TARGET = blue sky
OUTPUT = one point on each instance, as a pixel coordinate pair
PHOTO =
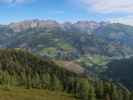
(67, 10)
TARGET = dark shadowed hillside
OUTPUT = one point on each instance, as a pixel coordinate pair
(121, 71)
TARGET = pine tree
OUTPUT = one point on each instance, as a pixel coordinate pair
(131, 96)
(92, 94)
(126, 95)
(28, 81)
(107, 90)
(46, 80)
(55, 83)
(36, 81)
(99, 89)
(84, 89)
(115, 93)
(23, 79)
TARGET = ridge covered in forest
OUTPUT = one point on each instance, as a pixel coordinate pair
(19, 68)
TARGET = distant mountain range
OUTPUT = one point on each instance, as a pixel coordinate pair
(69, 40)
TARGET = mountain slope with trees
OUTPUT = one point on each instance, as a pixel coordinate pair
(19, 68)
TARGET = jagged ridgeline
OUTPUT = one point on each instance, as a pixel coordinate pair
(19, 68)
(69, 40)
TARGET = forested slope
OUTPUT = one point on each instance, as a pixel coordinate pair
(19, 68)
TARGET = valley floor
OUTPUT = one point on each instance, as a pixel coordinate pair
(32, 94)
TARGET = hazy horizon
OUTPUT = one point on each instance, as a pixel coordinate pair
(66, 10)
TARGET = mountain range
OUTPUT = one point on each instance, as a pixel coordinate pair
(72, 40)
(88, 59)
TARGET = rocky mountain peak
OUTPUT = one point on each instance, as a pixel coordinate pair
(29, 24)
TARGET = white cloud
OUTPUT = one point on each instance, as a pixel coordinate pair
(111, 8)
(128, 20)
(108, 6)
(14, 1)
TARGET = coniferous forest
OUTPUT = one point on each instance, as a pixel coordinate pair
(19, 68)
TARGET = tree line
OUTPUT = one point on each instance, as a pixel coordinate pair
(19, 68)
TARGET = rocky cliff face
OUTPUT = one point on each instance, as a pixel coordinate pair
(29, 24)
(80, 25)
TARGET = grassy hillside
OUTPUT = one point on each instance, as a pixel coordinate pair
(33, 94)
